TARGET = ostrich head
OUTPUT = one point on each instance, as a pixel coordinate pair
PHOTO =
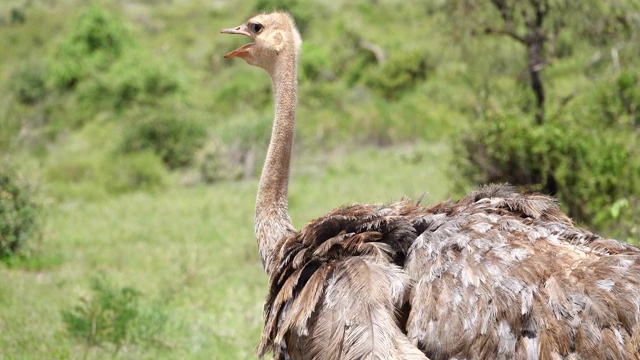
(274, 37)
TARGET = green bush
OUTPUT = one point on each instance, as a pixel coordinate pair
(96, 175)
(140, 171)
(97, 70)
(619, 102)
(589, 169)
(96, 39)
(401, 72)
(134, 79)
(357, 65)
(19, 213)
(147, 81)
(506, 149)
(173, 138)
(316, 62)
(115, 317)
(28, 83)
(18, 16)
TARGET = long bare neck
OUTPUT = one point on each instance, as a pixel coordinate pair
(272, 221)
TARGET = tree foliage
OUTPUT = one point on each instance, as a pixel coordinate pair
(619, 103)
(588, 159)
(589, 162)
(539, 24)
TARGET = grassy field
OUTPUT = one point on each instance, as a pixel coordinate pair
(190, 252)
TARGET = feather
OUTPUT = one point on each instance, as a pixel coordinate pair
(497, 274)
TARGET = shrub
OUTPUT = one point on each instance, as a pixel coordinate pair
(19, 213)
(112, 316)
(619, 102)
(356, 65)
(173, 138)
(589, 169)
(135, 78)
(93, 175)
(95, 41)
(146, 81)
(18, 16)
(28, 83)
(505, 149)
(133, 172)
(315, 63)
(401, 72)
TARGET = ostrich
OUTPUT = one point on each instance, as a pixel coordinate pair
(497, 275)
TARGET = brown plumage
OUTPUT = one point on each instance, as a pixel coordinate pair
(496, 275)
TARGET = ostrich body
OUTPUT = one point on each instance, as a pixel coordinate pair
(496, 275)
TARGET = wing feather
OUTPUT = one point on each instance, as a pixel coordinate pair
(498, 274)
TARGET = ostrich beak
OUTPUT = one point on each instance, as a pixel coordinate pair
(243, 50)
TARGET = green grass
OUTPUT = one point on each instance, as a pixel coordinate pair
(191, 250)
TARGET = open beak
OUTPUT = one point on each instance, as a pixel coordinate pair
(243, 50)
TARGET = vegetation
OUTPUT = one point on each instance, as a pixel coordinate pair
(144, 145)
(581, 157)
(174, 139)
(583, 167)
(19, 213)
(113, 317)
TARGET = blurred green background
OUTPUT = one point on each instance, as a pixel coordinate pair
(130, 148)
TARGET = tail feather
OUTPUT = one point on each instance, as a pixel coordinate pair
(368, 329)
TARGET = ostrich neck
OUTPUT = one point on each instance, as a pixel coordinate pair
(272, 222)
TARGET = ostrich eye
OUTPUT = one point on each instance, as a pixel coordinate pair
(255, 27)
